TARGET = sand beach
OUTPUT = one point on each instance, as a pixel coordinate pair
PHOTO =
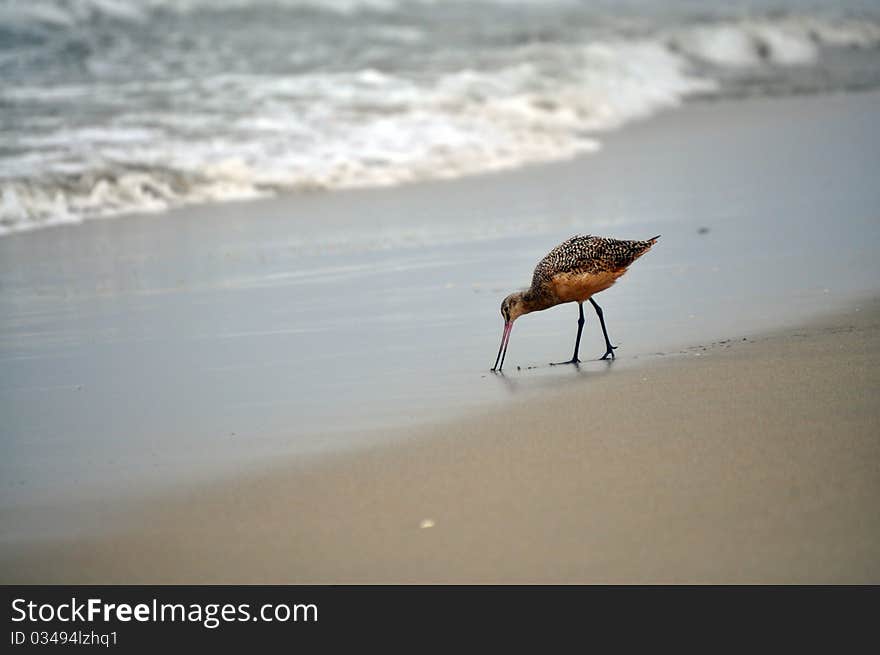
(199, 397)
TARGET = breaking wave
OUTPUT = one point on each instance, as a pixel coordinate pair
(112, 107)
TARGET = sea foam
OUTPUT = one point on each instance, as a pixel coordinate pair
(114, 107)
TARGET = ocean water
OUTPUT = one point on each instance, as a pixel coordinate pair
(109, 107)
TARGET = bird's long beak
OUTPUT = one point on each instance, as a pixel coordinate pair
(502, 349)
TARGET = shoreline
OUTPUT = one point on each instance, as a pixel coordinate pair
(302, 326)
(745, 461)
(666, 118)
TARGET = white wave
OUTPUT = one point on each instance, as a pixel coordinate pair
(786, 42)
(358, 129)
(234, 135)
(28, 205)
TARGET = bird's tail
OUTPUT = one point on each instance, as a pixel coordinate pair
(639, 248)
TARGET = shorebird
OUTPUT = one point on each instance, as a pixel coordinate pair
(574, 271)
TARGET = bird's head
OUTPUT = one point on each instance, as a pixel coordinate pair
(513, 307)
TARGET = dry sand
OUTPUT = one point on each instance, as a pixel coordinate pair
(745, 461)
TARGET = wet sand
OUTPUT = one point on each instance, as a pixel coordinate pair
(753, 460)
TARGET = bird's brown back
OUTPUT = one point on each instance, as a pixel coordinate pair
(585, 254)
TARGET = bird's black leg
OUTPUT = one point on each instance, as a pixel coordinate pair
(609, 349)
(577, 341)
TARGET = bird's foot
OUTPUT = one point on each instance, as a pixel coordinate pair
(570, 361)
(608, 352)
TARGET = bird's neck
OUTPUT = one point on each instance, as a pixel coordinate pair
(535, 300)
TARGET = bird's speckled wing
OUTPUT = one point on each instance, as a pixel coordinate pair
(588, 254)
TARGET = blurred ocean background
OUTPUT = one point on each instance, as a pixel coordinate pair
(110, 107)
